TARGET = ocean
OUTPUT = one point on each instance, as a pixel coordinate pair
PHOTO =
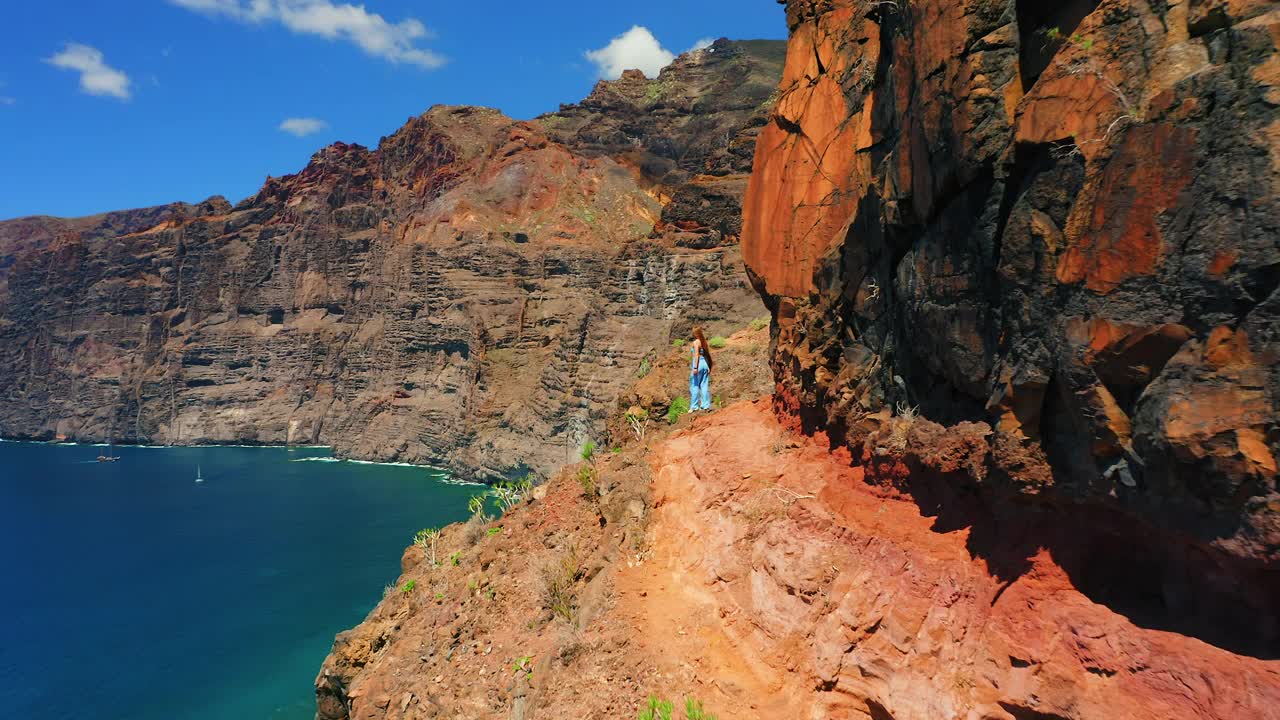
(131, 591)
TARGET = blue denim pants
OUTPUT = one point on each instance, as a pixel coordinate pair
(700, 387)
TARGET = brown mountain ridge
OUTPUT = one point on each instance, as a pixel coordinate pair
(471, 284)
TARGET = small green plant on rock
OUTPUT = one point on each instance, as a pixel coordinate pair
(493, 531)
(718, 342)
(679, 406)
(588, 451)
(523, 664)
(456, 559)
(760, 323)
(693, 710)
(426, 539)
(559, 585)
(656, 708)
(587, 481)
(646, 367)
(638, 418)
(509, 494)
(408, 587)
(476, 506)
(678, 343)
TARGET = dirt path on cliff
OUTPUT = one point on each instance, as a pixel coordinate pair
(757, 570)
(678, 621)
(778, 584)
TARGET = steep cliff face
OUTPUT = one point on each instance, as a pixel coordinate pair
(1022, 264)
(470, 285)
(1054, 230)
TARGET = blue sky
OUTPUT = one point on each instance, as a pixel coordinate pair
(111, 105)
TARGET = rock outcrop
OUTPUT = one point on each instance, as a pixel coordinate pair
(1022, 261)
(1055, 230)
(542, 612)
(474, 292)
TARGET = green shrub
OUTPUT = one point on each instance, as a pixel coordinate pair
(717, 342)
(476, 506)
(679, 406)
(678, 342)
(509, 494)
(587, 480)
(408, 587)
(645, 368)
(523, 665)
(760, 323)
(493, 531)
(588, 450)
(559, 585)
(638, 418)
(693, 710)
(426, 539)
(656, 709)
(456, 558)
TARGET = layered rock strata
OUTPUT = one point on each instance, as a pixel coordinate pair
(474, 292)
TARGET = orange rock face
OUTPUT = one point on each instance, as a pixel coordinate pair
(796, 199)
(800, 591)
(1120, 237)
(1053, 230)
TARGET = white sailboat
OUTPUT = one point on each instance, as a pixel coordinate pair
(111, 455)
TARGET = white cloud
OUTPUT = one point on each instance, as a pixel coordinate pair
(395, 42)
(303, 126)
(636, 48)
(96, 77)
(702, 44)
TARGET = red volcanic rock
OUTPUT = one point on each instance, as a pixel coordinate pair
(1115, 236)
(1051, 230)
(796, 201)
(780, 584)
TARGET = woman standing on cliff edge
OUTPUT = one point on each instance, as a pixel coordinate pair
(700, 365)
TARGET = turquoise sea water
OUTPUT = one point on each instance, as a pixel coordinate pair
(131, 591)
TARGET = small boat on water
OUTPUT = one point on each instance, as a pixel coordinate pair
(110, 456)
(199, 477)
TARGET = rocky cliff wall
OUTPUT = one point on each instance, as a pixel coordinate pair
(1021, 260)
(474, 292)
(1047, 237)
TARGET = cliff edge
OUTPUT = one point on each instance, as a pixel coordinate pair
(1019, 458)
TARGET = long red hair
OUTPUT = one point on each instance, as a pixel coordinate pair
(704, 348)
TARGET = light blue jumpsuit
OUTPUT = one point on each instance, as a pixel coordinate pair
(699, 381)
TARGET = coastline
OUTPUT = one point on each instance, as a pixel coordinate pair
(449, 475)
